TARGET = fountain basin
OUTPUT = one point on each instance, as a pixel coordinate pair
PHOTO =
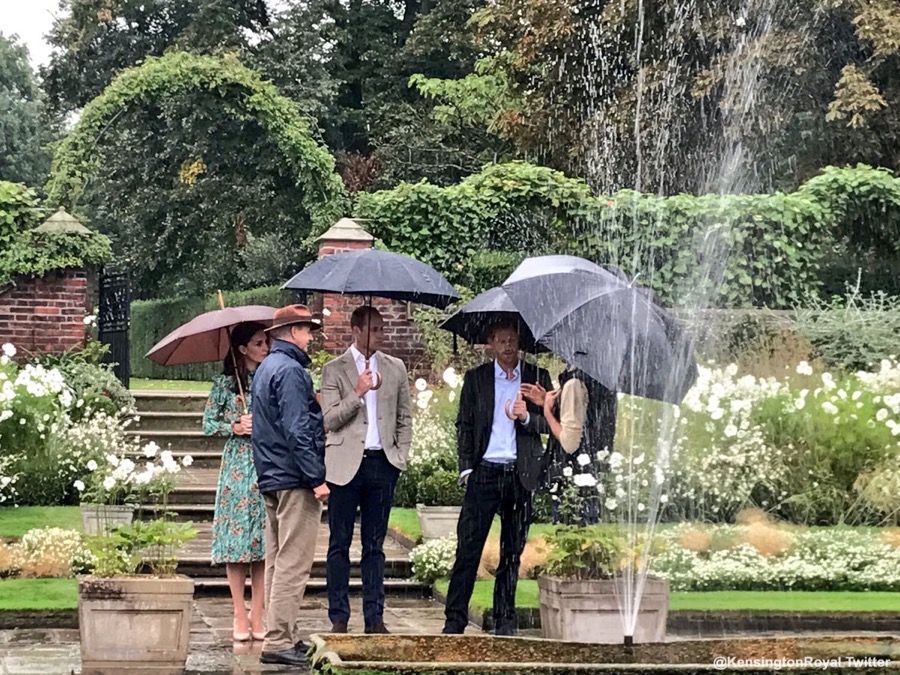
(482, 655)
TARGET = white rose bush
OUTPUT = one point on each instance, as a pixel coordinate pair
(434, 559)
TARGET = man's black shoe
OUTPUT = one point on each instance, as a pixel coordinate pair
(452, 631)
(339, 627)
(377, 629)
(505, 631)
(301, 647)
(287, 657)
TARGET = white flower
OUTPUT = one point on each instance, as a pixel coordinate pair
(79, 485)
(421, 384)
(740, 22)
(664, 499)
(611, 503)
(731, 431)
(640, 508)
(803, 368)
(881, 415)
(112, 459)
(8, 350)
(451, 396)
(422, 403)
(717, 414)
(187, 460)
(109, 483)
(584, 480)
(637, 461)
(583, 459)
(567, 471)
(800, 403)
(91, 465)
(150, 449)
(830, 408)
(451, 378)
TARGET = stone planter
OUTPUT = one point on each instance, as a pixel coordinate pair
(588, 611)
(437, 521)
(134, 623)
(100, 518)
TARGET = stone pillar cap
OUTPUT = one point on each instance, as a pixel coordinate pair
(346, 229)
(62, 221)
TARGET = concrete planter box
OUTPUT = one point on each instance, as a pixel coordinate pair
(588, 611)
(134, 622)
(437, 521)
(100, 518)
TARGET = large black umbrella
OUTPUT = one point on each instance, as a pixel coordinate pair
(611, 329)
(381, 274)
(474, 320)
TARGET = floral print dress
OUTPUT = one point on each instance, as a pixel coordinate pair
(238, 534)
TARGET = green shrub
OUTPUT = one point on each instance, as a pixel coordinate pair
(853, 332)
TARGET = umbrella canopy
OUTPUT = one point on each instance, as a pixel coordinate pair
(206, 337)
(376, 273)
(598, 322)
(473, 321)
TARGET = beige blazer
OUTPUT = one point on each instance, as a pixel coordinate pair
(345, 416)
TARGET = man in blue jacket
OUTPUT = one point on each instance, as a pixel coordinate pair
(289, 454)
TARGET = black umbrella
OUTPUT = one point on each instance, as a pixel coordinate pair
(381, 274)
(611, 329)
(474, 320)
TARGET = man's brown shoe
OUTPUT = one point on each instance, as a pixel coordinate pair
(339, 627)
(377, 629)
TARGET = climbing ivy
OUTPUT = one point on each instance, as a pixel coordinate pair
(717, 250)
(28, 253)
(242, 93)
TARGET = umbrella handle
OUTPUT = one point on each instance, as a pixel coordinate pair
(376, 378)
(241, 400)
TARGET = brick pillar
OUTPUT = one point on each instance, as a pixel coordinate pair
(402, 336)
(45, 314)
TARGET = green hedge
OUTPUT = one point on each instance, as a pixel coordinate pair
(152, 320)
(770, 250)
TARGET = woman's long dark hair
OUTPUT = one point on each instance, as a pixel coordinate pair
(240, 336)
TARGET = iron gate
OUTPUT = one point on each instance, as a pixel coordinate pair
(114, 322)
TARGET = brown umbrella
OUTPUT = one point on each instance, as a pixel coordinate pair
(206, 337)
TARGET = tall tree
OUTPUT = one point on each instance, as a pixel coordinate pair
(26, 128)
(96, 39)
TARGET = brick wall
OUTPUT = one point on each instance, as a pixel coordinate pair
(45, 314)
(402, 337)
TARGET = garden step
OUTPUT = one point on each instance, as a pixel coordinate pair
(406, 588)
(169, 401)
(199, 567)
(182, 441)
(169, 421)
(202, 459)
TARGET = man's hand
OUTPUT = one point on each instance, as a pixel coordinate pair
(365, 383)
(534, 393)
(520, 411)
(322, 492)
(550, 402)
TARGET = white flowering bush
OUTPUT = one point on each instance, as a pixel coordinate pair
(51, 552)
(817, 560)
(56, 414)
(118, 479)
(434, 559)
(432, 474)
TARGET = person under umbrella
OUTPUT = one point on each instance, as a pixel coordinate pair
(365, 397)
(501, 457)
(238, 534)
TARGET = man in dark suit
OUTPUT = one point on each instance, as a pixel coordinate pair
(500, 462)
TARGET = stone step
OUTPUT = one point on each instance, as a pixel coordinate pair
(169, 421)
(183, 512)
(404, 588)
(182, 442)
(199, 567)
(169, 401)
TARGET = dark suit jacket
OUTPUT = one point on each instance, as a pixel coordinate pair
(476, 417)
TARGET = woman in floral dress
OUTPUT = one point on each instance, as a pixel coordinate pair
(238, 537)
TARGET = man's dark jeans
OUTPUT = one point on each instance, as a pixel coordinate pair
(372, 492)
(491, 489)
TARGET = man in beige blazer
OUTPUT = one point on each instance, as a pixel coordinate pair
(368, 423)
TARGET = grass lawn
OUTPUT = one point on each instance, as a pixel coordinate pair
(138, 384)
(14, 522)
(406, 521)
(761, 601)
(30, 594)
